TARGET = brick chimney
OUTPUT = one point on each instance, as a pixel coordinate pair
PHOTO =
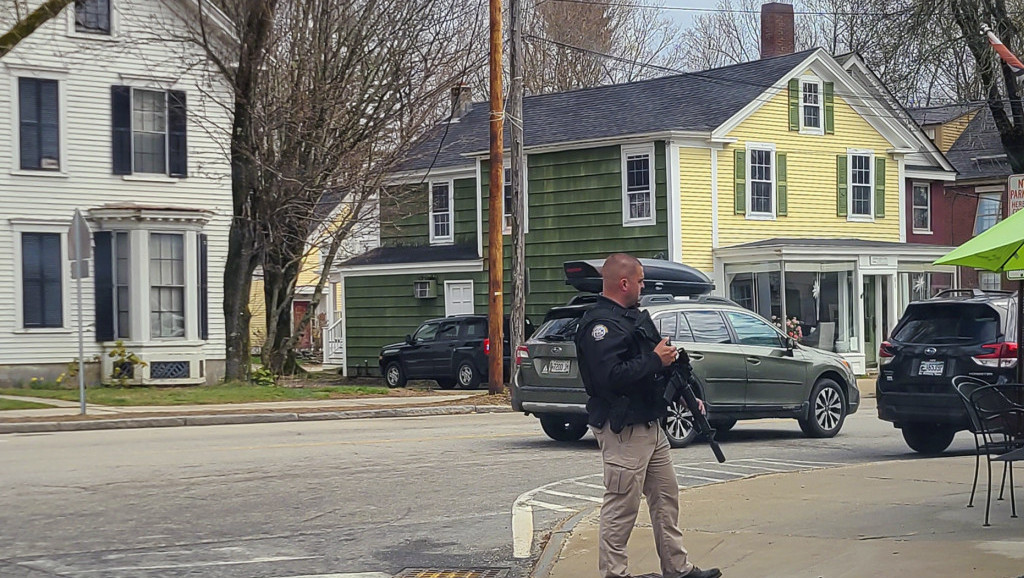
(777, 29)
(462, 101)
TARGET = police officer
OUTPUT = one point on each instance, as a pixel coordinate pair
(620, 372)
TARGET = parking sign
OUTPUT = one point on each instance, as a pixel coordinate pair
(1015, 193)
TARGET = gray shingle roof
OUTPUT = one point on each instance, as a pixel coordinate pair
(940, 114)
(693, 101)
(418, 254)
(978, 153)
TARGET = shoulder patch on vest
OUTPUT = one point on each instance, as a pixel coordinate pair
(598, 332)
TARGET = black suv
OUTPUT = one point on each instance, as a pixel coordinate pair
(450, 350)
(957, 332)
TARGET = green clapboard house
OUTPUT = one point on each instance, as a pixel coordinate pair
(667, 168)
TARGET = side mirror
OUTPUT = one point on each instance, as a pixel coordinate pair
(408, 340)
(790, 345)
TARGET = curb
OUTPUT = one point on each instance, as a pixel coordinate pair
(230, 419)
(549, 554)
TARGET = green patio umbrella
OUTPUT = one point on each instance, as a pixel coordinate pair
(998, 249)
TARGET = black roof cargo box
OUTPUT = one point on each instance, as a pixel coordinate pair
(660, 277)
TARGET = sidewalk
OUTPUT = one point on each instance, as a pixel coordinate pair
(66, 414)
(900, 518)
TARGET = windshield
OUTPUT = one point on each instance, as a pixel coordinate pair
(561, 329)
(938, 323)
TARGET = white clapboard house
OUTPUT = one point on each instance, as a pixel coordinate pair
(109, 109)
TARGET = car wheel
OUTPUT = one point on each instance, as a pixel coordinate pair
(446, 383)
(467, 376)
(722, 425)
(678, 426)
(828, 410)
(928, 438)
(563, 428)
(393, 375)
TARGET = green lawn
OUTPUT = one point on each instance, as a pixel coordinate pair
(18, 404)
(228, 393)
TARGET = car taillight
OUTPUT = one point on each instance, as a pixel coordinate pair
(487, 345)
(885, 353)
(521, 353)
(1002, 355)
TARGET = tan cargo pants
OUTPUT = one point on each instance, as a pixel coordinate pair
(637, 461)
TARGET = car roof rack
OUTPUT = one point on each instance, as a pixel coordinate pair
(972, 292)
(658, 298)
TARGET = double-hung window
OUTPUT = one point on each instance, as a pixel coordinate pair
(149, 132)
(39, 124)
(811, 106)
(861, 185)
(638, 185)
(761, 168)
(506, 201)
(441, 212)
(92, 16)
(122, 278)
(922, 208)
(41, 280)
(167, 285)
(989, 212)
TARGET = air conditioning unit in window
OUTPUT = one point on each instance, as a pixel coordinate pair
(424, 289)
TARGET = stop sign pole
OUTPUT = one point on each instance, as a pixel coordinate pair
(79, 252)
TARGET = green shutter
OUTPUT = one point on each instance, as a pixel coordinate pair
(841, 185)
(794, 104)
(830, 108)
(879, 187)
(782, 208)
(739, 173)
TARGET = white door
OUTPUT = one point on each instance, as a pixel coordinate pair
(458, 297)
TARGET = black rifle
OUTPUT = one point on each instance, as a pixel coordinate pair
(680, 387)
(680, 376)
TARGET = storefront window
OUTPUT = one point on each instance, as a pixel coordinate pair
(759, 292)
(922, 285)
(823, 312)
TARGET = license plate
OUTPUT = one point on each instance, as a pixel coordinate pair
(932, 368)
(558, 366)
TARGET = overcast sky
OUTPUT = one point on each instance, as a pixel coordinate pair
(686, 16)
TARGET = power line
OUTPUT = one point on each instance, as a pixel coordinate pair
(730, 10)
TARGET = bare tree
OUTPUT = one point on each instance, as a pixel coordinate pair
(24, 22)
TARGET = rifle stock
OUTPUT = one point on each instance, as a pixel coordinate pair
(679, 387)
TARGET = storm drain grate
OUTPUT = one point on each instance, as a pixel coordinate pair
(453, 573)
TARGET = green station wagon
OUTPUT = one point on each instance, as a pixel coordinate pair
(747, 368)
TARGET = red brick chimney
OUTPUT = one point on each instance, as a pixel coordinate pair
(776, 29)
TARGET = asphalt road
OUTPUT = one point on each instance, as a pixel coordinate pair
(320, 498)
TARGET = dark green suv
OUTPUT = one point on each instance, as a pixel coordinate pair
(747, 368)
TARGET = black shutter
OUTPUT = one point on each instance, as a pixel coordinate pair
(204, 302)
(104, 286)
(28, 110)
(121, 119)
(177, 145)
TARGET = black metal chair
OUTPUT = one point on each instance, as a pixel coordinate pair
(965, 385)
(1000, 413)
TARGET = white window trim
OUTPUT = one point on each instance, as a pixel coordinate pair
(760, 216)
(447, 305)
(507, 230)
(999, 279)
(624, 152)
(190, 295)
(820, 130)
(17, 229)
(450, 238)
(60, 76)
(850, 216)
(115, 22)
(914, 207)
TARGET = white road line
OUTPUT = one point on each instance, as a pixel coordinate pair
(549, 506)
(593, 486)
(735, 465)
(262, 560)
(800, 463)
(679, 475)
(573, 496)
(711, 471)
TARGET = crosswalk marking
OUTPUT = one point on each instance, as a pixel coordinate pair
(574, 496)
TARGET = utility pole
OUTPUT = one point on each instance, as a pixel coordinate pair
(495, 254)
(515, 104)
